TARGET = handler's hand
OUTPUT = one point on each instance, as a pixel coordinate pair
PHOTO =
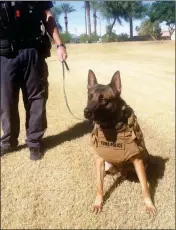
(62, 54)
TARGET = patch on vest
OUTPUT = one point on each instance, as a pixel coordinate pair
(109, 140)
(118, 145)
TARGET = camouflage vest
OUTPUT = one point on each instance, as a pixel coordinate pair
(117, 146)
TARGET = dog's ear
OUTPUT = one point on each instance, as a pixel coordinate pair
(91, 79)
(116, 83)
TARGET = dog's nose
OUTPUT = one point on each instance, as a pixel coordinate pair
(86, 110)
(87, 113)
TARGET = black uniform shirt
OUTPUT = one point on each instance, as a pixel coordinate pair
(16, 19)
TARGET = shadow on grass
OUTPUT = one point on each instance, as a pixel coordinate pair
(74, 132)
(116, 183)
(155, 172)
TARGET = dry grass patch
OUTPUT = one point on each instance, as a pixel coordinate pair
(58, 191)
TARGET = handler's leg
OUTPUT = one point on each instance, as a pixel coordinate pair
(10, 85)
(34, 101)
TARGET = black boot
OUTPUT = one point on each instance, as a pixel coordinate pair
(4, 151)
(35, 154)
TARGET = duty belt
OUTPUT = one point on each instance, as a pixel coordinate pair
(11, 47)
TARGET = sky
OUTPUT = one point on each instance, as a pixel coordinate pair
(76, 21)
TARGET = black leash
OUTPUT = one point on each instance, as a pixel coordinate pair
(64, 63)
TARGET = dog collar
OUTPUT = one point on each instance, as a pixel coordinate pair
(113, 123)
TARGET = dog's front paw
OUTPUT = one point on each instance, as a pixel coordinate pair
(150, 208)
(97, 206)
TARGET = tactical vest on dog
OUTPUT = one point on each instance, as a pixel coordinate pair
(118, 146)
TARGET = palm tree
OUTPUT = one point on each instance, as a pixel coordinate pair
(113, 11)
(85, 17)
(87, 8)
(134, 10)
(95, 6)
(56, 11)
(95, 21)
(66, 9)
(127, 10)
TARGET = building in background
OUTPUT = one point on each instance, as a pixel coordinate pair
(165, 35)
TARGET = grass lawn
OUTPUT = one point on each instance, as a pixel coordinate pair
(58, 191)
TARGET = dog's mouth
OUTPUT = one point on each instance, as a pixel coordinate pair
(101, 116)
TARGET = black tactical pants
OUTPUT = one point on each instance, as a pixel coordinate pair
(27, 71)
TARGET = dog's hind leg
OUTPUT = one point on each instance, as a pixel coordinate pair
(100, 173)
(140, 171)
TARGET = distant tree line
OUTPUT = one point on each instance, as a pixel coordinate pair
(151, 15)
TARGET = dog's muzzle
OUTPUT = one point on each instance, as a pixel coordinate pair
(87, 113)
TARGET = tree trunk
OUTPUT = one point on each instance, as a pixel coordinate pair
(152, 36)
(131, 27)
(88, 17)
(170, 33)
(111, 27)
(95, 21)
(85, 6)
(171, 30)
(66, 23)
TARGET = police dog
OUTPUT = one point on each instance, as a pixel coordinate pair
(116, 137)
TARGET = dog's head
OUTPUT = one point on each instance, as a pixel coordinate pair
(104, 101)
